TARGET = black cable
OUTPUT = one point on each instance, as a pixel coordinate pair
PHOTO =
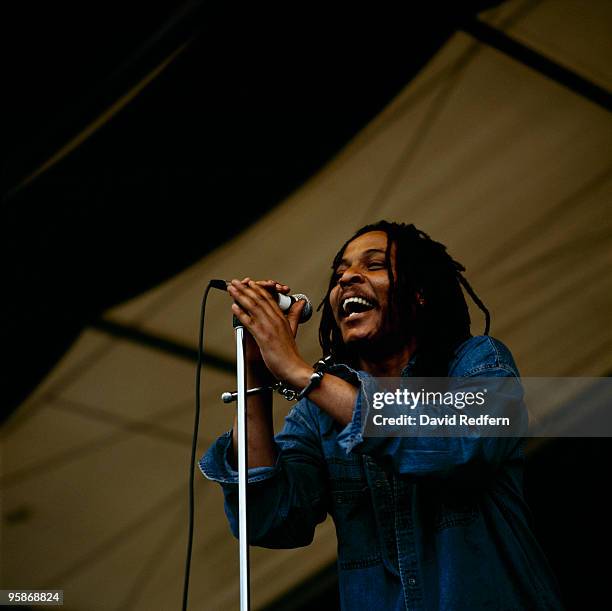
(217, 284)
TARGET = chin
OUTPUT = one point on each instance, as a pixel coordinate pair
(355, 338)
(368, 341)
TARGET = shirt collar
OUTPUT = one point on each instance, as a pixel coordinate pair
(347, 371)
(407, 371)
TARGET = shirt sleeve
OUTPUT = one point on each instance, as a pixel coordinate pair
(285, 501)
(471, 456)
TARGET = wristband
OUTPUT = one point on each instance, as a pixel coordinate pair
(314, 381)
(320, 367)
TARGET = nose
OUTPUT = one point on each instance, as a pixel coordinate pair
(350, 276)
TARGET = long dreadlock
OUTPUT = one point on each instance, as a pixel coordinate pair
(422, 266)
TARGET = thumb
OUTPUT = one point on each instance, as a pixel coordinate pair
(294, 315)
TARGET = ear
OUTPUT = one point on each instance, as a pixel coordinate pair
(420, 299)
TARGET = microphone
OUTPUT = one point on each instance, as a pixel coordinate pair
(284, 301)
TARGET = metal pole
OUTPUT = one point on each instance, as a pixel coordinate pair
(243, 540)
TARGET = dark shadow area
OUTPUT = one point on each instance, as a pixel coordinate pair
(244, 114)
(565, 488)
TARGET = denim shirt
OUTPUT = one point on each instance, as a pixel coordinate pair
(422, 523)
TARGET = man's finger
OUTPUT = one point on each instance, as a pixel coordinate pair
(273, 284)
(241, 315)
(260, 287)
(249, 299)
(282, 288)
(269, 285)
(294, 315)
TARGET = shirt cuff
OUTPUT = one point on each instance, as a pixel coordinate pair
(352, 435)
(215, 464)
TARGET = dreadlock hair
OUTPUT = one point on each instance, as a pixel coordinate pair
(423, 266)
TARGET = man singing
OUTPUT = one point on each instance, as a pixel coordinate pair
(422, 522)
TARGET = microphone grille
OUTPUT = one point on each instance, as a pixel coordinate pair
(307, 311)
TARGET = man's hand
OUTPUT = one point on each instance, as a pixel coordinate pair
(255, 363)
(274, 333)
(272, 351)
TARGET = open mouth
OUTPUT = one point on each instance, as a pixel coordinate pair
(352, 306)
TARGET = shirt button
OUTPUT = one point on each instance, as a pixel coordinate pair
(412, 581)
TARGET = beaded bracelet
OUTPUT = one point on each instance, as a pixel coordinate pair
(320, 368)
(313, 382)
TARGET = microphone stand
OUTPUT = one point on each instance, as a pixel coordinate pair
(241, 395)
(243, 539)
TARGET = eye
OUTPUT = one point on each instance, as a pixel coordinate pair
(374, 265)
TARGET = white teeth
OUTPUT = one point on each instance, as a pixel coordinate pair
(355, 300)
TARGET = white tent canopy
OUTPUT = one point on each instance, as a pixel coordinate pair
(509, 169)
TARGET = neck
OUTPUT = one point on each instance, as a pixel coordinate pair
(388, 365)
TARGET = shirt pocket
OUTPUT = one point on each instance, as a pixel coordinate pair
(353, 515)
(452, 512)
